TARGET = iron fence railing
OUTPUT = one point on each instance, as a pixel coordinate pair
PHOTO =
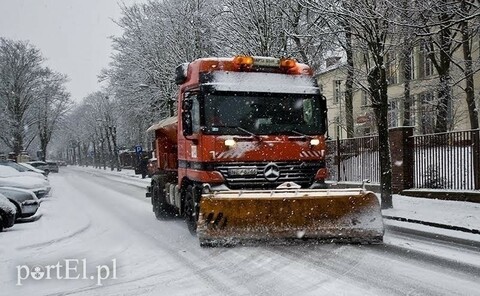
(447, 160)
(353, 160)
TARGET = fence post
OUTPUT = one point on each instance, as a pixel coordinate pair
(339, 161)
(476, 157)
(402, 156)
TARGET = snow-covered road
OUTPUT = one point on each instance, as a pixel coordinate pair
(96, 221)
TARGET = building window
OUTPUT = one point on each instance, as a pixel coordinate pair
(365, 99)
(391, 71)
(428, 112)
(337, 91)
(393, 114)
(412, 67)
(426, 62)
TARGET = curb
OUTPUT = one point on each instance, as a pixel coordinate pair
(433, 224)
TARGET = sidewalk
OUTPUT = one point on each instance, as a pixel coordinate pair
(456, 214)
(459, 215)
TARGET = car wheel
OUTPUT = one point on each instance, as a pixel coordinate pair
(17, 206)
(191, 209)
(1, 223)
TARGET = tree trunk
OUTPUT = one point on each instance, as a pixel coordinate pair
(43, 147)
(115, 148)
(349, 82)
(407, 77)
(79, 153)
(109, 144)
(469, 81)
(444, 104)
(378, 88)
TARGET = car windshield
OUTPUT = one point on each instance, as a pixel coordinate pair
(263, 114)
(7, 171)
(14, 165)
(28, 166)
(37, 163)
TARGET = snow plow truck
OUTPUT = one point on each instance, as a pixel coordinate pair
(245, 157)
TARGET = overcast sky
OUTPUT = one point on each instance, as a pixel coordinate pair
(73, 35)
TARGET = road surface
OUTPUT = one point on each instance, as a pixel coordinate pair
(101, 224)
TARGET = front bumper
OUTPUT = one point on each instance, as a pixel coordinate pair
(41, 192)
(29, 208)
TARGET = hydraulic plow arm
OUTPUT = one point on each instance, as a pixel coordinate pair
(337, 215)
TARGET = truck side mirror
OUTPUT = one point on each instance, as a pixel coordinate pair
(187, 123)
(324, 111)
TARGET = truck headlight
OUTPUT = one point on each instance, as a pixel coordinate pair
(230, 143)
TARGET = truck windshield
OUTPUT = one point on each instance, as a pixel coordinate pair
(263, 114)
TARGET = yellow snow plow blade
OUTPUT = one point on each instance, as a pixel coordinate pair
(332, 215)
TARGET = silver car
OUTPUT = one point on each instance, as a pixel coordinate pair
(25, 201)
(9, 177)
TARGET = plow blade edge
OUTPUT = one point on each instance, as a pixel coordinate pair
(331, 215)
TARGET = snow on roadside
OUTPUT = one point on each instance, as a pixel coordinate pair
(126, 175)
(456, 213)
(47, 229)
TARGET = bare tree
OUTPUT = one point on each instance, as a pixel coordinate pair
(52, 102)
(438, 34)
(372, 33)
(21, 75)
(468, 8)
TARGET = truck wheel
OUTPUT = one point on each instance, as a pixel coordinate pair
(191, 209)
(161, 209)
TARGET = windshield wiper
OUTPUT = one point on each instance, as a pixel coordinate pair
(253, 135)
(303, 136)
(247, 131)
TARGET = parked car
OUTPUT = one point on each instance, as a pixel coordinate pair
(22, 169)
(9, 177)
(32, 168)
(7, 213)
(41, 165)
(25, 201)
(52, 166)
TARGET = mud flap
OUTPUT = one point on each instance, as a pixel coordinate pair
(338, 215)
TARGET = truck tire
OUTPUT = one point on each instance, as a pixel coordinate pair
(161, 208)
(191, 208)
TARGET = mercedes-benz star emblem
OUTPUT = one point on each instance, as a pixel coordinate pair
(271, 172)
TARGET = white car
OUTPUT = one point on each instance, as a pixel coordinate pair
(21, 169)
(9, 177)
(24, 200)
(31, 168)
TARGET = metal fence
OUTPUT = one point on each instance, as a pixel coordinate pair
(447, 160)
(441, 161)
(353, 160)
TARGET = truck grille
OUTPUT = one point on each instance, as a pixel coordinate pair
(302, 173)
